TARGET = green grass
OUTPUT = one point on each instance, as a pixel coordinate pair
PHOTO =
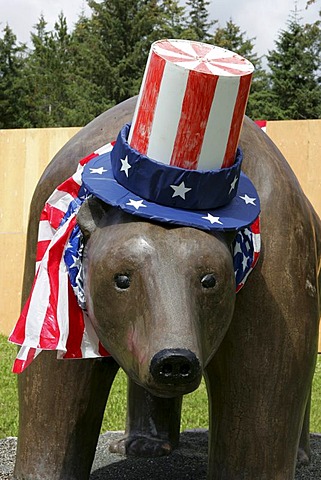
(315, 417)
(8, 390)
(194, 406)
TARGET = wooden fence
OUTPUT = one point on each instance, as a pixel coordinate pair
(25, 153)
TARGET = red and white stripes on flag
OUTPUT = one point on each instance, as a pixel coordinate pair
(51, 318)
(191, 105)
(261, 124)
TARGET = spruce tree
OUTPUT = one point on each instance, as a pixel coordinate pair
(174, 19)
(198, 25)
(12, 82)
(46, 74)
(232, 38)
(124, 31)
(295, 72)
(118, 26)
(88, 74)
(61, 84)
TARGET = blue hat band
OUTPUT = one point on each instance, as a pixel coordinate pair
(173, 186)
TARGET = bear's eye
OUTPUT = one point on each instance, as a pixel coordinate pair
(122, 281)
(208, 281)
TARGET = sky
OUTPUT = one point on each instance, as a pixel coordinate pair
(260, 19)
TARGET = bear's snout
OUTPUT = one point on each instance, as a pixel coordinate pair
(175, 367)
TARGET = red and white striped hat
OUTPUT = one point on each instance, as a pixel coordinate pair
(191, 105)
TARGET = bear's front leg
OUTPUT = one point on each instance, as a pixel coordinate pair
(153, 424)
(61, 408)
(259, 384)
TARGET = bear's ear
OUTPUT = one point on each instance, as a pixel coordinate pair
(90, 214)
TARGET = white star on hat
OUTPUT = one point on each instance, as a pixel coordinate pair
(212, 219)
(248, 200)
(125, 166)
(136, 203)
(180, 190)
(233, 184)
(99, 170)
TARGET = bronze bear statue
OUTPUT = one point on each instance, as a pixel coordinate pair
(257, 348)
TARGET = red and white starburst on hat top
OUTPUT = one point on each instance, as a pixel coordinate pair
(191, 104)
(204, 58)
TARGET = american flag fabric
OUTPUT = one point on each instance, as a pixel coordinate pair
(246, 251)
(262, 124)
(187, 80)
(54, 316)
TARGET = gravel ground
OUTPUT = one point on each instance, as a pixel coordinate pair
(188, 462)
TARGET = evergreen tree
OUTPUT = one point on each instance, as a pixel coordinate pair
(69, 78)
(232, 38)
(12, 85)
(46, 73)
(117, 28)
(87, 74)
(261, 99)
(124, 31)
(295, 78)
(59, 67)
(61, 75)
(174, 19)
(198, 25)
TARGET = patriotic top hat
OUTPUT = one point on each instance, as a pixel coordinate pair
(178, 162)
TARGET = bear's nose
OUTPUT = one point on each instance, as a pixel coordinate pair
(175, 366)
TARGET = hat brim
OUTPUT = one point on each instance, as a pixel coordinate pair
(99, 180)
